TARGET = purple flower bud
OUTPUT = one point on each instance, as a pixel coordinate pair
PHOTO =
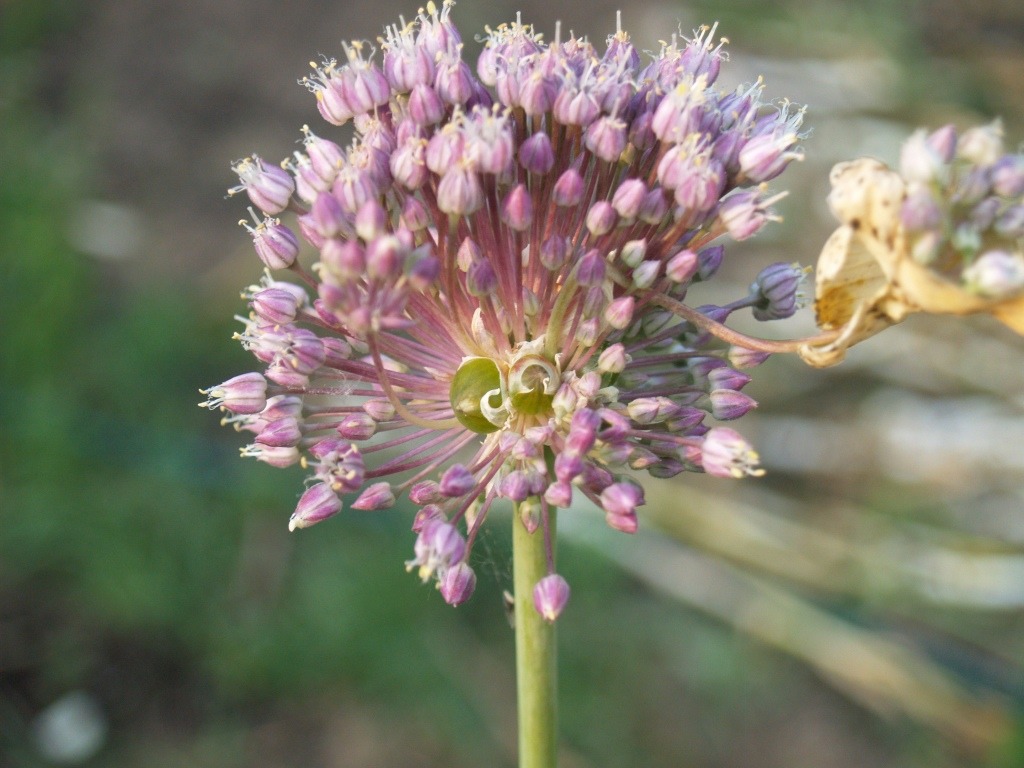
(280, 432)
(481, 279)
(384, 258)
(425, 516)
(601, 218)
(776, 290)
(425, 492)
(426, 106)
(357, 426)
(326, 217)
(406, 64)
(590, 269)
(377, 496)
(344, 259)
(276, 306)
(1008, 176)
(553, 252)
(530, 514)
(457, 584)
(275, 244)
(984, 213)
(995, 274)
(655, 207)
(284, 374)
(724, 377)
(575, 107)
(275, 456)
(683, 266)
(742, 214)
(582, 431)
(438, 547)
(246, 393)
(1010, 223)
(517, 210)
(536, 154)
(568, 191)
(606, 138)
(515, 486)
(379, 409)
(943, 143)
(340, 465)
(629, 197)
(619, 501)
(453, 81)
(281, 406)
(742, 357)
(371, 220)
(700, 185)
(550, 596)
(920, 211)
(318, 503)
(269, 187)
(457, 481)
(325, 157)
(459, 192)
(727, 404)
(651, 410)
(559, 494)
(613, 360)
(422, 269)
(568, 465)
(408, 165)
(764, 157)
(724, 453)
(415, 216)
(619, 313)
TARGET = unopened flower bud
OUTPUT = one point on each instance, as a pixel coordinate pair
(457, 584)
(275, 244)
(568, 191)
(246, 393)
(456, 481)
(550, 596)
(776, 290)
(318, 503)
(375, 497)
(601, 218)
(613, 360)
(995, 274)
(269, 187)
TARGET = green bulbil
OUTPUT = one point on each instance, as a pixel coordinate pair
(475, 378)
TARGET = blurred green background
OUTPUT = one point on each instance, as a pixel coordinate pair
(859, 606)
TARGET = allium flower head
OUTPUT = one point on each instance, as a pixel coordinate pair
(501, 255)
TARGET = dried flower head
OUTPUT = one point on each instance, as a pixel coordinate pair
(945, 235)
(496, 304)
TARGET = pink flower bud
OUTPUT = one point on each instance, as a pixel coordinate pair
(457, 584)
(456, 481)
(318, 503)
(377, 496)
(246, 393)
(550, 596)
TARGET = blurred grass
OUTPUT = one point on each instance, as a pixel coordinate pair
(142, 562)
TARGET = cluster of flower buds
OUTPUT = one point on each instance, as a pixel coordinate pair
(944, 234)
(496, 307)
(963, 213)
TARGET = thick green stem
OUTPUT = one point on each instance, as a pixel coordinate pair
(536, 672)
